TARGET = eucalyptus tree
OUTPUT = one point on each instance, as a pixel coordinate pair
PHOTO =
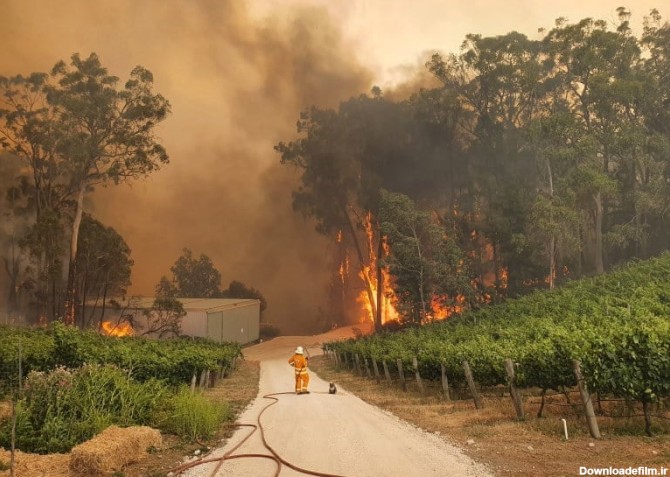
(195, 277)
(76, 128)
(104, 267)
(595, 70)
(105, 134)
(500, 83)
(345, 157)
(426, 263)
(653, 194)
(27, 132)
(553, 220)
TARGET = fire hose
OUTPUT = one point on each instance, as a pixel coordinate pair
(274, 454)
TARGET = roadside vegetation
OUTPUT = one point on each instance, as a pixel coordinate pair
(79, 383)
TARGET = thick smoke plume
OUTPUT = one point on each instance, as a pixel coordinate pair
(237, 83)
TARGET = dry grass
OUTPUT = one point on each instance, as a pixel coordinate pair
(533, 447)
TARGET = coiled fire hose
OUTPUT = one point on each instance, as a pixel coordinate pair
(274, 455)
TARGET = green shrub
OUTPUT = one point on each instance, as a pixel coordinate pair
(192, 416)
(63, 408)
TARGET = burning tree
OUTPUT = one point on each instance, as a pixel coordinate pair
(346, 157)
(429, 269)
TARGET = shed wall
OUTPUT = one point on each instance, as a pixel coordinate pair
(240, 323)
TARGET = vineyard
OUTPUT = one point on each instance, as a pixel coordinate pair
(68, 385)
(616, 326)
(174, 361)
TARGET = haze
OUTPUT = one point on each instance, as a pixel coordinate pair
(237, 75)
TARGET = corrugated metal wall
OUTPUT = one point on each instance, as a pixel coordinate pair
(194, 323)
(240, 323)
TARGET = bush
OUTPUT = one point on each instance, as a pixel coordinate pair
(63, 408)
(192, 416)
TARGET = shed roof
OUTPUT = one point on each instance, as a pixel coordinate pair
(193, 304)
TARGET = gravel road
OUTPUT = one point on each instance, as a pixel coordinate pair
(330, 434)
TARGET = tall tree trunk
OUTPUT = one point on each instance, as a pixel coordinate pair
(421, 276)
(361, 260)
(380, 284)
(552, 262)
(12, 269)
(83, 294)
(71, 291)
(598, 223)
(552, 241)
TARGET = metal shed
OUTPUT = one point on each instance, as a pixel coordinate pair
(219, 319)
(222, 319)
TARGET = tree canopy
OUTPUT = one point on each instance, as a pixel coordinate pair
(540, 160)
(75, 128)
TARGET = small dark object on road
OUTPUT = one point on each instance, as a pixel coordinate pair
(332, 389)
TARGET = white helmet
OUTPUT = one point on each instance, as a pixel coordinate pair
(299, 350)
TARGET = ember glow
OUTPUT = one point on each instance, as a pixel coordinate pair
(440, 310)
(117, 329)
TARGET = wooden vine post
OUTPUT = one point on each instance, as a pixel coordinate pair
(445, 382)
(367, 367)
(387, 373)
(471, 385)
(376, 369)
(586, 400)
(513, 391)
(401, 373)
(415, 364)
(358, 365)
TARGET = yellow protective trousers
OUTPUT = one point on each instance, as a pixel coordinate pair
(299, 362)
(301, 380)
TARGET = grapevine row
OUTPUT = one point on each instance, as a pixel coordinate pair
(617, 325)
(174, 360)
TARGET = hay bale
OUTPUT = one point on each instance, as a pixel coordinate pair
(35, 465)
(112, 449)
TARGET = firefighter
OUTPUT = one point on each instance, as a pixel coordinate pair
(299, 362)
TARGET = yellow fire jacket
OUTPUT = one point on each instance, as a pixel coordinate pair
(299, 362)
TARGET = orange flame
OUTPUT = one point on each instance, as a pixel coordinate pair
(441, 311)
(117, 329)
(389, 312)
(389, 300)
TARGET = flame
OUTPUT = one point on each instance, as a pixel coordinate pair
(343, 271)
(389, 311)
(117, 329)
(441, 311)
(389, 300)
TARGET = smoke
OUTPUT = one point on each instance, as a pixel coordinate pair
(237, 83)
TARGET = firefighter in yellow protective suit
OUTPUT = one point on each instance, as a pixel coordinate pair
(299, 362)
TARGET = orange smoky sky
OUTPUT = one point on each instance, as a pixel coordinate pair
(237, 75)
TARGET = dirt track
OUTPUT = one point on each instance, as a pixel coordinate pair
(331, 434)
